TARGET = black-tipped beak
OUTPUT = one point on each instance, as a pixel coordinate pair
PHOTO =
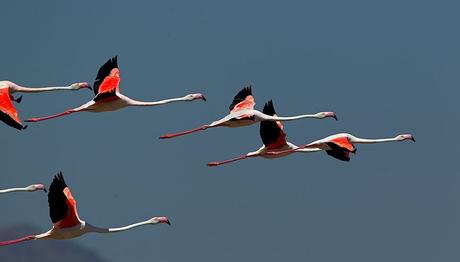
(24, 127)
(413, 139)
(44, 189)
(168, 222)
(204, 98)
(335, 117)
(90, 88)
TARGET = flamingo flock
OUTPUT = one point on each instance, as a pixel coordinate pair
(242, 113)
(66, 222)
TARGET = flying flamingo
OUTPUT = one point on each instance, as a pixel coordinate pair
(108, 97)
(242, 113)
(31, 188)
(66, 222)
(8, 113)
(341, 145)
(273, 138)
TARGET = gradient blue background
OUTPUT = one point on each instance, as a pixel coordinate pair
(385, 67)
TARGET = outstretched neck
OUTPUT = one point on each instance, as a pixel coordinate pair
(23, 89)
(371, 141)
(290, 118)
(156, 103)
(264, 117)
(9, 190)
(91, 228)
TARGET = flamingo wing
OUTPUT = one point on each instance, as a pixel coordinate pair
(271, 132)
(243, 100)
(340, 148)
(107, 80)
(8, 113)
(338, 152)
(343, 142)
(63, 207)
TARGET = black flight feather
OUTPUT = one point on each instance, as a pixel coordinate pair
(338, 152)
(7, 119)
(269, 130)
(56, 198)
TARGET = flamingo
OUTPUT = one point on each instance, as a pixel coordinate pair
(273, 138)
(66, 222)
(31, 188)
(8, 113)
(242, 113)
(108, 97)
(341, 145)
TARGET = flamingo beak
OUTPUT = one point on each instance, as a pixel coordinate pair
(204, 98)
(168, 222)
(335, 117)
(89, 87)
(44, 189)
(413, 139)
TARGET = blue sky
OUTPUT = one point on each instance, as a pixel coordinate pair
(385, 67)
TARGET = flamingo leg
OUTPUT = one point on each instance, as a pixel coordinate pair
(68, 112)
(227, 161)
(15, 241)
(203, 127)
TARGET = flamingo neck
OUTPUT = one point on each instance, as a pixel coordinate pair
(156, 103)
(93, 229)
(290, 118)
(17, 189)
(41, 89)
(371, 141)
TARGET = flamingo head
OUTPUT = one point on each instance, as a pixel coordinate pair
(192, 97)
(403, 137)
(77, 86)
(36, 187)
(322, 115)
(159, 220)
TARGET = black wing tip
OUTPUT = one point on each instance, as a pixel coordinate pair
(59, 178)
(112, 62)
(57, 198)
(245, 91)
(248, 89)
(109, 65)
(269, 109)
